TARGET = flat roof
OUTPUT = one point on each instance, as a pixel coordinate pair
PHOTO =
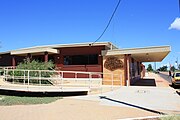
(35, 51)
(52, 48)
(145, 54)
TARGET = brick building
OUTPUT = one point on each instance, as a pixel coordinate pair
(101, 57)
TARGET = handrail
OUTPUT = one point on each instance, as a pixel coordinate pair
(57, 78)
(7, 67)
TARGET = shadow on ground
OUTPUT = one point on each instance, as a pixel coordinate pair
(135, 106)
(40, 94)
(175, 87)
(145, 82)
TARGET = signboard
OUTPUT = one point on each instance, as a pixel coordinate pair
(113, 63)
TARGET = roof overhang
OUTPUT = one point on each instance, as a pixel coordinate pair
(34, 51)
(146, 54)
(108, 45)
(52, 49)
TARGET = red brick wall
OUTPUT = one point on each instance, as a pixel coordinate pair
(6, 59)
(80, 51)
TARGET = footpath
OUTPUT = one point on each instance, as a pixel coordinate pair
(160, 99)
(160, 81)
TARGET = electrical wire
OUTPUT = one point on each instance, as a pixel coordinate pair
(179, 7)
(109, 22)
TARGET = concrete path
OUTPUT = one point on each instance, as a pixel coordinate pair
(152, 98)
(160, 98)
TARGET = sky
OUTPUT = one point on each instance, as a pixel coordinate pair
(137, 23)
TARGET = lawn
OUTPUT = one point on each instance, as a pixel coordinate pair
(171, 117)
(16, 100)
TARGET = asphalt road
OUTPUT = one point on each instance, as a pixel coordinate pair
(165, 76)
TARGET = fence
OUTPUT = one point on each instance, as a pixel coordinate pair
(62, 79)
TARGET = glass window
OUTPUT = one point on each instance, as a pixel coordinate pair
(51, 58)
(81, 59)
(177, 74)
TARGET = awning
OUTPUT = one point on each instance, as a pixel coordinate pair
(34, 51)
(146, 54)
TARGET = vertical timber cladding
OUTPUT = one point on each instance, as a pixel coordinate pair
(113, 70)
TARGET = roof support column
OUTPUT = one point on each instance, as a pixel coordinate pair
(127, 69)
(45, 56)
(13, 61)
(29, 56)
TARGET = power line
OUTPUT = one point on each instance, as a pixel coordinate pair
(179, 7)
(109, 22)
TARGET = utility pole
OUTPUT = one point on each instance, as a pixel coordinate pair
(155, 66)
(177, 63)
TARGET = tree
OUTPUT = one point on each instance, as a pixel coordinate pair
(173, 68)
(149, 68)
(179, 67)
(163, 68)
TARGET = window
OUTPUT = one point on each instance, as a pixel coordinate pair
(177, 74)
(38, 58)
(81, 59)
(51, 58)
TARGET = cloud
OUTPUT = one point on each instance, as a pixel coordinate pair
(175, 24)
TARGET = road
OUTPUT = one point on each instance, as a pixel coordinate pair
(165, 76)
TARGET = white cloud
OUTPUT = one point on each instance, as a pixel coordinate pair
(175, 24)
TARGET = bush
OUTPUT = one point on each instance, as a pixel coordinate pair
(33, 65)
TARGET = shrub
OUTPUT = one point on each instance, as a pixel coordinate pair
(33, 65)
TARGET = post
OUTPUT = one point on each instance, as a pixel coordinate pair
(40, 77)
(13, 76)
(4, 73)
(29, 56)
(90, 79)
(121, 79)
(112, 79)
(24, 77)
(28, 78)
(76, 76)
(46, 57)
(127, 82)
(128, 70)
(62, 80)
(177, 63)
(13, 61)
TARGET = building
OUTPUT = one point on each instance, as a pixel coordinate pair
(101, 57)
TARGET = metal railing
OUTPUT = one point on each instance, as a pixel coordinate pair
(62, 79)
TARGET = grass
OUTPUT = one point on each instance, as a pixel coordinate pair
(16, 100)
(171, 117)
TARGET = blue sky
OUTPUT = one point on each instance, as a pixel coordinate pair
(137, 23)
